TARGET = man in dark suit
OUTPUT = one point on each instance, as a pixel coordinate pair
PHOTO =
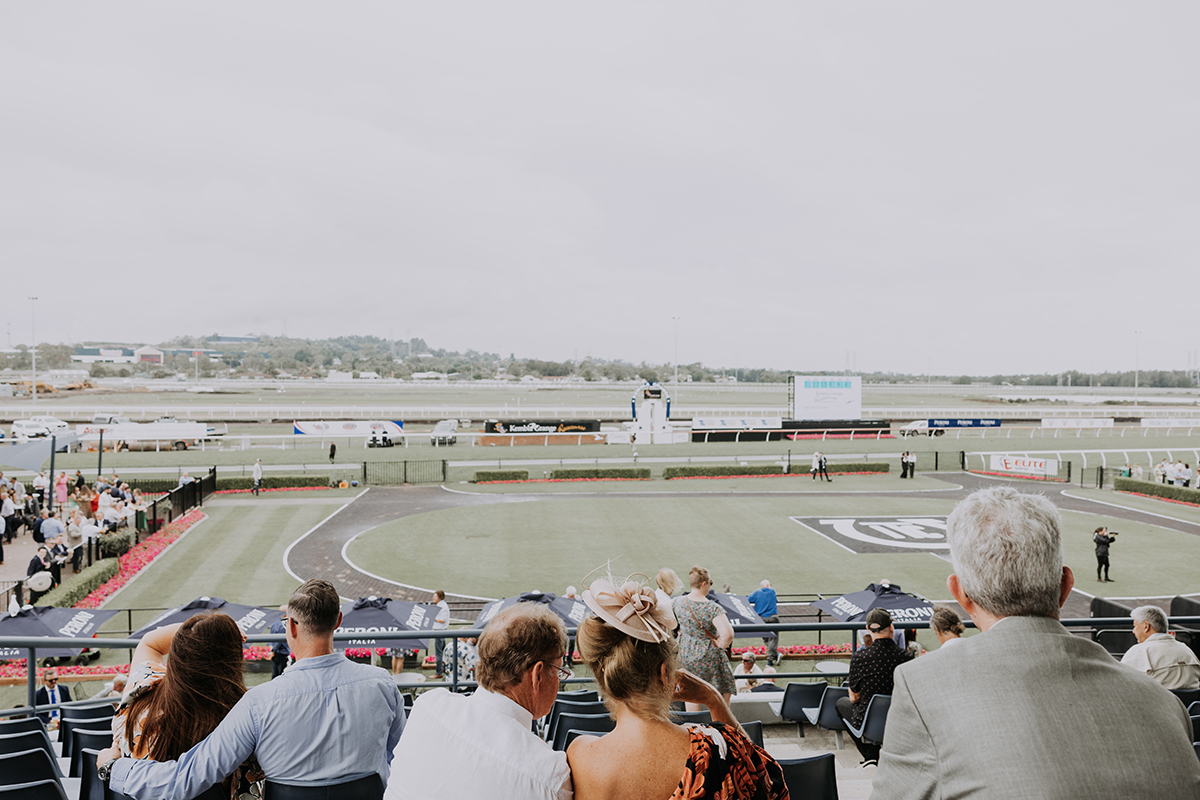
(51, 692)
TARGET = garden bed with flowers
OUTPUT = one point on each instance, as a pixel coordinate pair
(12, 673)
(799, 651)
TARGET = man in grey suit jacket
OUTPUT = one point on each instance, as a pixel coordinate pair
(1025, 709)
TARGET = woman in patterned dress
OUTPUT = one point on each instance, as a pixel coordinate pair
(633, 658)
(704, 633)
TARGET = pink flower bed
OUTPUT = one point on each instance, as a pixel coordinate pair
(16, 669)
(799, 650)
(364, 652)
(1163, 499)
(565, 480)
(778, 475)
(140, 556)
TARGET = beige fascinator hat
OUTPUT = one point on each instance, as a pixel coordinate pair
(631, 608)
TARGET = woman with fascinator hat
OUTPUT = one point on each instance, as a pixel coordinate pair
(629, 648)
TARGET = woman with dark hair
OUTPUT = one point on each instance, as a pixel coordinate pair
(172, 703)
(704, 633)
(628, 647)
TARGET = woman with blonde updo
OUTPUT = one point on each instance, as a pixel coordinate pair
(668, 583)
(704, 633)
(631, 654)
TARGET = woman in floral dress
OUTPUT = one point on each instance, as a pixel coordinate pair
(704, 633)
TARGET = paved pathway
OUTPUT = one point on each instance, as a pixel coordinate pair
(320, 551)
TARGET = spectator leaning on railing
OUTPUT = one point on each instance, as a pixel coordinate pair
(1025, 709)
(325, 721)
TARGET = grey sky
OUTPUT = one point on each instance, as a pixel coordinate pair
(936, 187)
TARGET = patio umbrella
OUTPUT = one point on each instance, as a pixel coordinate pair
(739, 610)
(496, 606)
(251, 619)
(368, 615)
(31, 455)
(51, 623)
(853, 607)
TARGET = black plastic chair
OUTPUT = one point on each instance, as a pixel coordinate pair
(36, 790)
(68, 724)
(753, 731)
(90, 785)
(811, 778)
(584, 723)
(1194, 709)
(34, 764)
(18, 742)
(574, 734)
(580, 696)
(570, 707)
(368, 788)
(1188, 696)
(825, 714)
(22, 725)
(98, 711)
(796, 698)
(684, 717)
(874, 721)
(1196, 745)
(93, 740)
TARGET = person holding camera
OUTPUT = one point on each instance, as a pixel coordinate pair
(1103, 538)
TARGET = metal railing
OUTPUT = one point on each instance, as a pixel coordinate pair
(31, 644)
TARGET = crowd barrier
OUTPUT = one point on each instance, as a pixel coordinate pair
(31, 644)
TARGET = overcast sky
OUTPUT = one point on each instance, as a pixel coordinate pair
(932, 187)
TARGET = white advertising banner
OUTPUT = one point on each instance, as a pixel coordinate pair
(1185, 422)
(1067, 422)
(819, 397)
(342, 427)
(737, 423)
(1024, 465)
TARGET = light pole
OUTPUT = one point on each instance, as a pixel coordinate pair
(676, 358)
(33, 335)
(1137, 352)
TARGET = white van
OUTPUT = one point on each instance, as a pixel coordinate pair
(24, 430)
(445, 432)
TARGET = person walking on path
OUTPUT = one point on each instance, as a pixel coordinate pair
(904, 465)
(257, 474)
(822, 464)
(1103, 539)
(332, 451)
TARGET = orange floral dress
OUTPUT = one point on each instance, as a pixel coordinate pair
(724, 765)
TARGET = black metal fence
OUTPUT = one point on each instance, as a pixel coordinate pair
(396, 473)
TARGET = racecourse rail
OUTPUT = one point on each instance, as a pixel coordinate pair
(31, 644)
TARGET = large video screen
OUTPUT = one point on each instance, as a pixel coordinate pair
(827, 397)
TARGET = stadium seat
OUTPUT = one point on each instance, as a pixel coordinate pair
(584, 723)
(36, 790)
(1196, 746)
(1194, 709)
(580, 696)
(825, 714)
(22, 725)
(88, 712)
(753, 732)
(574, 734)
(798, 697)
(68, 724)
(684, 717)
(94, 740)
(561, 706)
(811, 778)
(874, 721)
(1188, 696)
(34, 764)
(19, 742)
(368, 788)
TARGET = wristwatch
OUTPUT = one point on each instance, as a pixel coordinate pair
(105, 770)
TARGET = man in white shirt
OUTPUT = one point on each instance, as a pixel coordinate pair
(456, 746)
(41, 485)
(440, 623)
(1158, 654)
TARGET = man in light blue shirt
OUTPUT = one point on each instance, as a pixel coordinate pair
(322, 722)
(766, 607)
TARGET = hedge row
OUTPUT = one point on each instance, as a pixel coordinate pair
(709, 472)
(1155, 489)
(83, 584)
(115, 545)
(484, 476)
(853, 467)
(163, 485)
(630, 473)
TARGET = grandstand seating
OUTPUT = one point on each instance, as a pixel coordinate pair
(27, 740)
(368, 788)
(580, 696)
(584, 723)
(1188, 696)
(874, 721)
(797, 697)
(684, 717)
(94, 740)
(811, 778)
(754, 732)
(825, 714)
(68, 724)
(22, 725)
(36, 790)
(560, 706)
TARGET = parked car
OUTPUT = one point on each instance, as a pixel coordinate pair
(23, 430)
(380, 439)
(52, 424)
(445, 432)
